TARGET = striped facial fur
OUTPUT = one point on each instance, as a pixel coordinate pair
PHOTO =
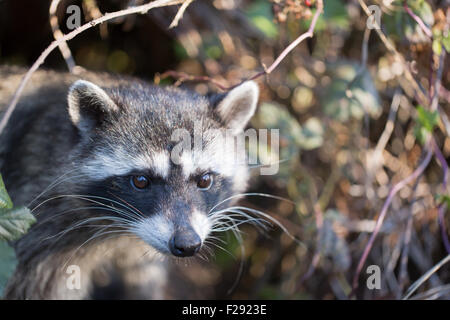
(160, 153)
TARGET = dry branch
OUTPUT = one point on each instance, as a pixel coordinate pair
(57, 34)
(181, 76)
(142, 9)
(419, 170)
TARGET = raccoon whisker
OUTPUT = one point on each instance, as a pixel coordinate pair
(241, 264)
(95, 236)
(205, 254)
(186, 261)
(217, 239)
(122, 222)
(125, 213)
(122, 214)
(156, 254)
(275, 221)
(86, 198)
(131, 209)
(78, 227)
(258, 222)
(251, 194)
(145, 253)
(75, 210)
(55, 183)
(127, 234)
(223, 226)
(202, 257)
(129, 205)
(220, 247)
(227, 226)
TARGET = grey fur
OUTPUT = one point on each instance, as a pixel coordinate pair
(129, 124)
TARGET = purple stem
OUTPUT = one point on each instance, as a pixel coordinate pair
(442, 208)
(423, 165)
(419, 21)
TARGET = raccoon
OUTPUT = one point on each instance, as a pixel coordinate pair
(92, 156)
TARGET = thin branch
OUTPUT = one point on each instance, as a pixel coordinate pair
(142, 9)
(416, 173)
(307, 34)
(374, 159)
(389, 127)
(180, 13)
(57, 34)
(403, 273)
(435, 106)
(442, 208)
(419, 21)
(181, 76)
(389, 45)
(425, 277)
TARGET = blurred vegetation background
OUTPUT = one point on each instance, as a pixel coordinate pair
(351, 127)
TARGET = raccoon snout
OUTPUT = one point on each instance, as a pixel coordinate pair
(185, 243)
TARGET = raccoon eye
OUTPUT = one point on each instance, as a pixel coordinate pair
(205, 181)
(140, 182)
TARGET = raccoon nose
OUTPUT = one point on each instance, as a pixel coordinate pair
(185, 244)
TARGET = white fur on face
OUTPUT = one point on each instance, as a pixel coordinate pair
(120, 162)
(201, 224)
(219, 155)
(156, 231)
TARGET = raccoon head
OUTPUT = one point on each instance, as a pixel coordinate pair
(157, 157)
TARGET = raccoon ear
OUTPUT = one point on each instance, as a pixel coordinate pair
(237, 107)
(89, 105)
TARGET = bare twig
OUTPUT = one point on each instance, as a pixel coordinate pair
(57, 34)
(403, 274)
(316, 257)
(180, 13)
(390, 46)
(425, 277)
(443, 206)
(142, 9)
(92, 12)
(374, 159)
(295, 43)
(181, 76)
(419, 21)
(385, 136)
(435, 106)
(433, 293)
(423, 165)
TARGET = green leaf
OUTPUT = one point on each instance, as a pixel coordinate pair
(425, 123)
(335, 16)
(336, 13)
(351, 92)
(443, 198)
(437, 47)
(261, 16)
(5, 200)
(446, 42)
(333, 245)
(312, 133)
(308, 137)
(14, 223)
(427, 119)
(8, 264)
(401, 25)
